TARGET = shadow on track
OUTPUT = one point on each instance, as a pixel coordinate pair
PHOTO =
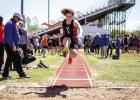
(51, 92)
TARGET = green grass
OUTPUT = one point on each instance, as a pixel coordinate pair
(38, 75)
(125, 70)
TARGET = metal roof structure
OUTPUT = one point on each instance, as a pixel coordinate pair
(122, 5)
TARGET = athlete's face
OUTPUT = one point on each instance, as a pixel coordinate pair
(69, 17)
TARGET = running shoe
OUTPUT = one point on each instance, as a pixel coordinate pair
(70, 61)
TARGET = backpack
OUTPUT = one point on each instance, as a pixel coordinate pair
(115, 57)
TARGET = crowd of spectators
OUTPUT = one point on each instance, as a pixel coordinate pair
(103, 45)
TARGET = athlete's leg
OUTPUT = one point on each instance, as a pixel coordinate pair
(73, 52)
(66, 43)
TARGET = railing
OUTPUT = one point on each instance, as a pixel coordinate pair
(131, 1)
(112, 2)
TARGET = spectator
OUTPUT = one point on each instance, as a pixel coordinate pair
(136, 44)
(36, 44)
(11, 40)
(105, 44)
(23, 42)
(122, 44)
(88, 44)
(97, 44)
(84, 42)
(50, 45)
(101, 45)
(1, 43)
(44, 44)
(132, 43)
(118, 45)
(110, 48)
(126, 44)
(30, 56)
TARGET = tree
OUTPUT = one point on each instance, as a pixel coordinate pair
(32, 24)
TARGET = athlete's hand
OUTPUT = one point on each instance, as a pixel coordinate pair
(48, 25)
(44, 23)
(14, 49)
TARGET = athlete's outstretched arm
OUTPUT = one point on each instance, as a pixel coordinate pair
(53, 25)
(80, 28)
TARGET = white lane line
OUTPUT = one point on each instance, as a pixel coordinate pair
(72, 79)
(74, 70)
(59, 71)
(62, 66)
(90, 81)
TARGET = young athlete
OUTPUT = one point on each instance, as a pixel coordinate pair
(71, 30)
(44, 44)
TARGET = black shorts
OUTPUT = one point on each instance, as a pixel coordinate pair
(73, 45)
(97, 46)
(46, 47)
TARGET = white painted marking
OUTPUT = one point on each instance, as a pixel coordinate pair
(85, 69)
(90, 81)
(72, 79)
(74, 70)
(60, 71)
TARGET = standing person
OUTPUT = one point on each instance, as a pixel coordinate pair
(84, 42)
(126, 44)
(136, 44)
(105, 44)
(11, 40)
(117, 46)
(1, 43)
(50, 45)
(110, 48)
(60, 48)
(70, 30)
(54, 44)
(44, 44)
(131, 44)
(88, 44)
(101, 45)
(97, 44)
(36, 44)
(122, 44)
(23, 42)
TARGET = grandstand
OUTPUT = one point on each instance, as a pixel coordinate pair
(111, 17)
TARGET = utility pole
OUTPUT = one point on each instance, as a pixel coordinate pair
(48, 11)
(22, 8)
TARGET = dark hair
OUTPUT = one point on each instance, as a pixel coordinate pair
(66, 11)
(1, 20)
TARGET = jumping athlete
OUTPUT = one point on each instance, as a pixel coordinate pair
(71, 28)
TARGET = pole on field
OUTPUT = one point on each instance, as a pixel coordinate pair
(22, 10)
(48, 11)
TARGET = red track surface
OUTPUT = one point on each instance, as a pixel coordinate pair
(73, 75)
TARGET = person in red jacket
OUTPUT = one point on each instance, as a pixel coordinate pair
(72, 30)
(1, 43)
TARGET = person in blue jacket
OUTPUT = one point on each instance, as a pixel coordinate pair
(11, 41)
(118, 46)
(97, 44)
(105, 42)
(101, 45)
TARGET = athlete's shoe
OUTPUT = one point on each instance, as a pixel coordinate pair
(65, 51)
(70, 61)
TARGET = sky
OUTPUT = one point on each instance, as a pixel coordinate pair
(39, 9)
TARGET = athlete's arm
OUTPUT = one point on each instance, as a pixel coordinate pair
(77, 24)
(53, 25)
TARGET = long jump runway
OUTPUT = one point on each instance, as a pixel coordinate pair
(75, 75)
